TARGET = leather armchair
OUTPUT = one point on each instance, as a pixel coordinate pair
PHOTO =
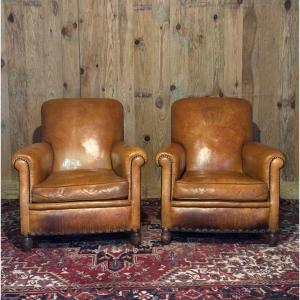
(82, 177)
(214, 177)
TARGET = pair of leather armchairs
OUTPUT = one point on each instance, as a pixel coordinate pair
(83, 178)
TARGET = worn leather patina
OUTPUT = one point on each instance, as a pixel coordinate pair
(213, 175)
(82, 177)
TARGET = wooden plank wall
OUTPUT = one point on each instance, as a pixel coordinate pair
(147, 54)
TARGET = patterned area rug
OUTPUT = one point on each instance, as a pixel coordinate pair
(193, 266)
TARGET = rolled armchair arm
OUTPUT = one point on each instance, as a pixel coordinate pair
(37, 158)
(172, 160)
(264, 163)
(124, 155)
(34, 164)
(259, 160)
(126, 162)
(172, 155)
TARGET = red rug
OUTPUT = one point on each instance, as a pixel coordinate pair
(193, 266)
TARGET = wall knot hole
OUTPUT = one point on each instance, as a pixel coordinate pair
(172, 87)
(287, 5)
(11, 18)
(146, 137)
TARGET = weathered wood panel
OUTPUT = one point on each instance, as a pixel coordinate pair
(70, 48)
(13, 40)
(147, 54)
(5, 121)
(41, 61)
(161, 86)
(106, 54)
(288, 94)
(144, 76)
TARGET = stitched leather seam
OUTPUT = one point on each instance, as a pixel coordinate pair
(46, 206)
(262, 183)
(66, 186)
(28, 166)
(42, 198)
(165, 155)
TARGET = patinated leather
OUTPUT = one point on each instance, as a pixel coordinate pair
(220, 218)
(226, 181)
(257, 159)
(215, 185)
(81, 132)
(172, 160)
(126, 162)
(123, 156)
(79, 204)
(87, 220)
(212, 132)
(174, 155)
(74, 182)
(81, 185)
(218, 203)
(39, 158)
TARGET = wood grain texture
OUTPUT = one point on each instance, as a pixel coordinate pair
(147, 54)
(6, 170)
(70, 48)
(144, 76)
(16, 130)
(288, 93)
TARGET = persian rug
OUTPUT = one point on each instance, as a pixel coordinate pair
(193, 266)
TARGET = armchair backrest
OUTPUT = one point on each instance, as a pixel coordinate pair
(212, 131)
(82, 131)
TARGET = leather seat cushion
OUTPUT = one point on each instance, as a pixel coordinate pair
(220, 185)
(77, 185)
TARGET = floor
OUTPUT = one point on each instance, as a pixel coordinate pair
(193, 266)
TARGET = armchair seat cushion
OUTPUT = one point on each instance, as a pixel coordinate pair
(219, 185)
(78, 185)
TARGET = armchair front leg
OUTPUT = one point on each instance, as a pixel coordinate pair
(127, 162)
(172, 161)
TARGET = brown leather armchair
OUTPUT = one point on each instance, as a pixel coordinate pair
(82, 178)
(214, 177)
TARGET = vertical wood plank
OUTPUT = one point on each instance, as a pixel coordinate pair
(99, 48)
(125, 92)
(144, 62)
(51, 49)
(106, 54)
(5, 115)
(70, 48)
(248, 44)
(16, 74)
(202, 31)
(90, 47)
(233, 49)
(161, 86)
(288, 93)
(264, 75)
(178, 50)
(38, 72)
